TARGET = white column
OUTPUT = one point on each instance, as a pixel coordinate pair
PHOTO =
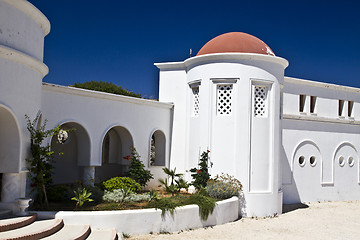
(89, 175)
(13, 186)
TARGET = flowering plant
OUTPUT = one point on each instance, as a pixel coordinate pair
(201, 175)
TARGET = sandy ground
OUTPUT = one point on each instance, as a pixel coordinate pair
(331, 220)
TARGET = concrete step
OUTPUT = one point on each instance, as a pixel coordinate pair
(103, 234)
(36, 230)
(16, 222)
(71, 232)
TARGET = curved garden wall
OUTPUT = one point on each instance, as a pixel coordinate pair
(144, 221)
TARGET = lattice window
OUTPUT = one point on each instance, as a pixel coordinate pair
(224, 99)
(196, 101)
(260, 94)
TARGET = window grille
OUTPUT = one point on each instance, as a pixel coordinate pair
(260, 95)
(196, 101)
(224, 99)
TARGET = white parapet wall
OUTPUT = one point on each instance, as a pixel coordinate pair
(145, 221)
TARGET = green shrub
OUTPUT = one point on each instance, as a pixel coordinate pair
(106, 87)
(224, 186)
(58, 193)
(121, 182)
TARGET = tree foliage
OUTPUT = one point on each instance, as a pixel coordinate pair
(40, 163)
(106, 87)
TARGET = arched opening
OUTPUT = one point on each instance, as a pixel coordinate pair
(75, 151)
(9, 142)
(116, 145)
(346, 171)
(157, 149)
(306, 168)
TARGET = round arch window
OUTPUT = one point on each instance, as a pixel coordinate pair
(341, 161)
(351, 161)
(312, 161)
(301, 161)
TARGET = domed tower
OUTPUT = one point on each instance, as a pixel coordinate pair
(22, 31)
(227, 99)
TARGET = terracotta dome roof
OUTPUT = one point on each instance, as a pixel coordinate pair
(236, 42)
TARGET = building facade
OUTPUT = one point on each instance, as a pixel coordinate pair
(287, 140)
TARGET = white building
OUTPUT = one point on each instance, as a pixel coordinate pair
(287, 140)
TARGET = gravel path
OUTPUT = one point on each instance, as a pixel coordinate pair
(330, 220)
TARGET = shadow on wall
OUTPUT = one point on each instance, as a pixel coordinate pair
(76, 153)
(116, 145)
(289, 188)
(9, 142)
(242, 205)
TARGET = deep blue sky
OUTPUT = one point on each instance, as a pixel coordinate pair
(119, 40)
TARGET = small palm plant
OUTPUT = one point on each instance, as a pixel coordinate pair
(81, 196)
(172, 187)
(172, 174)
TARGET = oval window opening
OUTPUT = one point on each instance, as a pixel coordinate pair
(351, 161)
(341, 161)
(302, 161)
(312, 161)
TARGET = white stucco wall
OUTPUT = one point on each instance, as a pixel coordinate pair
(21, 69)
(98, 112)
(235, 140)
(324, 135)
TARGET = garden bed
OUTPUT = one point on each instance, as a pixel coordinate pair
(144, 221)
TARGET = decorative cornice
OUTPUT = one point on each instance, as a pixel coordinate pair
(103, 95)
(219, 57)
(320, 84)
(320, 119)
(16, 56)
(32, 12)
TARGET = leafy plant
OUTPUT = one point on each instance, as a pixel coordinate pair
(154, 195)
(137, 169)
(181, 183)
(120, 183)
(172, 188)
(81, 196)
(177, 182)
(201, 175)
(40, 163)
(106, 87)
(223, 186)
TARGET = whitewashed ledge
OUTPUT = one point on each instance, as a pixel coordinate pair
(144, 221)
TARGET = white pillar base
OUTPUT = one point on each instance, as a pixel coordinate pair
(13, 187)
